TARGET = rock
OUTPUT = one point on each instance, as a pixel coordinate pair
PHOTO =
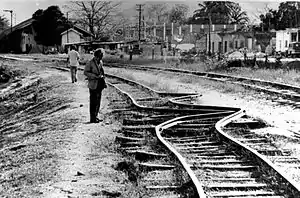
(79, 174)
(17, 147)
(111, 194)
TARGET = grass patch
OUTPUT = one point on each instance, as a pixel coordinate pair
(278, 75)
(8, 73)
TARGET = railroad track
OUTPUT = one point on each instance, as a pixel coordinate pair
(183, 150)
(282, 93)
(215, 164)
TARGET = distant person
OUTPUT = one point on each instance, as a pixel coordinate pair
(245, 56)
(73, 58)
(165, 51)
(266, 61)
(153, 50)
(96, 83)
(254, 61)
(130, 52)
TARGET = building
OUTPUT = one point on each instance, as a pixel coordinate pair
(285, 37)
(21, 38)
(75, 35)
(224, 37)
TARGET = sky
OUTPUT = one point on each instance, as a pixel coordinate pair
(23, 9)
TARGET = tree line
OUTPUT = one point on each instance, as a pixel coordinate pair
(105, 19)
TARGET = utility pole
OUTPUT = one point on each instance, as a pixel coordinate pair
(139, 9)
(11, 24)
(209, 39)
(68, 28)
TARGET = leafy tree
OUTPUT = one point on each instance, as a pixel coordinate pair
(48, 25)
(216, 11)
(101, 18)
(219, 12)
(237, 16)
(3, 23)
(157, 12)
(178, 13)
(287, 16)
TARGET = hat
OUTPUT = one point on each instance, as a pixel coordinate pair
(99, 51)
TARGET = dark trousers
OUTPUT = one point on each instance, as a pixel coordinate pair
(73, 73)
(95, 100)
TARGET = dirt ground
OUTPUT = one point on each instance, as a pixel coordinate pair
(52, 151)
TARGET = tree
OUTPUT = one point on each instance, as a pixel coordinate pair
(237, 16)
(49, 24)
(218, 11)
(3, 23)
(178, 13)
(157, 12)
(287, 16)
(101, 18)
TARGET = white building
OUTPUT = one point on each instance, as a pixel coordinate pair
(285, 37)
(75, 35)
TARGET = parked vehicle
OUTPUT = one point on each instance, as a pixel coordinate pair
(293, 50)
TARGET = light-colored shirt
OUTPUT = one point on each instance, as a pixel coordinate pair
(73, 58)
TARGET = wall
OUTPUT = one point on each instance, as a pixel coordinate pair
(73, 38)
(27, 42)
(281, 37)
(215, 39)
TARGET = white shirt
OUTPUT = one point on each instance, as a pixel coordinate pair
(73, 58)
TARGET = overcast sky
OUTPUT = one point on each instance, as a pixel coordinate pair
(23, 9)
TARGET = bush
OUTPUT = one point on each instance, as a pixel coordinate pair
(7, 73)
(234, 63)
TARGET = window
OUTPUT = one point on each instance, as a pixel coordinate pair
(286, 43)
(213, 47)
(225, 46)
(293, 36)
(279, 44)
(236, 44)
(242, 44)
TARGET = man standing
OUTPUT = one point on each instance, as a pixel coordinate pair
(73, 58)
(96, 83)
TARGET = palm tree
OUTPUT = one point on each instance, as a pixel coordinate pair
(218, 10)
(238, 16)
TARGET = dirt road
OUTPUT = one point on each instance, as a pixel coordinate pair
(51, 150)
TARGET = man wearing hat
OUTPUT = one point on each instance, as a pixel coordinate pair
(96, 83)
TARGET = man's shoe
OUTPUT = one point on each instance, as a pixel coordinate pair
(95, 121)
(99, 120)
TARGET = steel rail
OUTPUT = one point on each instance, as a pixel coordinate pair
(210, 75)
(223, 122)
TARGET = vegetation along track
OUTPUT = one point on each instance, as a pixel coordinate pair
(289, 94)
(182, 150)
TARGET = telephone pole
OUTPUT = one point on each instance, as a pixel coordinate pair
(139, 9)
(11, 25)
